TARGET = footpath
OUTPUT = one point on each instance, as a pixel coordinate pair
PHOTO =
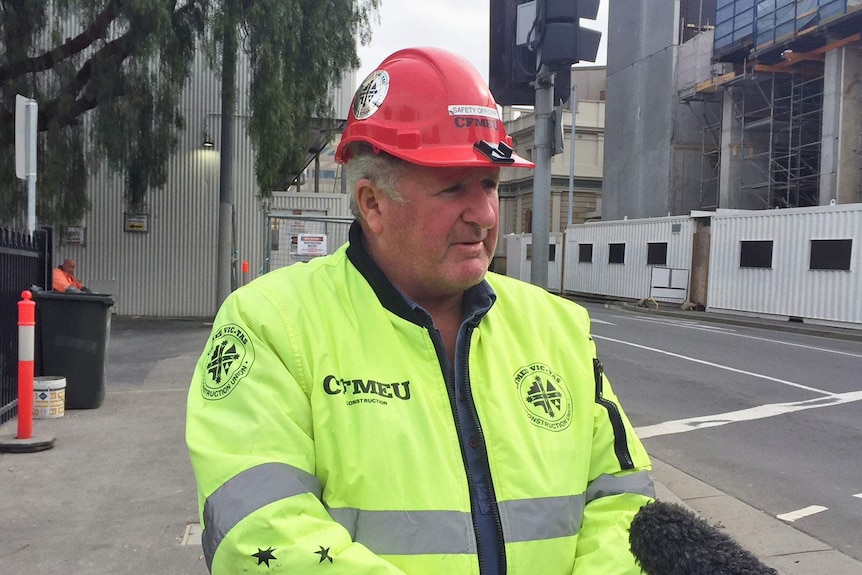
(116, 494)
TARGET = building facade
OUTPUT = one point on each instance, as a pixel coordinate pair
(732, 104)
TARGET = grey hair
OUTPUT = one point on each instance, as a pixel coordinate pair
(383, 169)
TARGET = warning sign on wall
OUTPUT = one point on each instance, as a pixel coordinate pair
(311, 245)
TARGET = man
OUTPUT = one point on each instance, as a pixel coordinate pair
(64, 278)
(394, 407)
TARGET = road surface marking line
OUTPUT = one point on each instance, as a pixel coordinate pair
(678, 323)
(859, 495)
(759, 412)
(736, 334)
(805, 512)
(594, 320)
(718, 365)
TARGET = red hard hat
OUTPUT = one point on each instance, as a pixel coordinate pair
(430, 107)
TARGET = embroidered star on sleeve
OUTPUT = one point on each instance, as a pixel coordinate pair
(324, 554)
(265, 556)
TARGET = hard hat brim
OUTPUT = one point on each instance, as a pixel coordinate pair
(440, 156)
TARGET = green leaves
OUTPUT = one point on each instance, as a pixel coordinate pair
(109, 88)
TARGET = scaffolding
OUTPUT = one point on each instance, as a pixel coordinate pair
(779, 115)
(710, 159)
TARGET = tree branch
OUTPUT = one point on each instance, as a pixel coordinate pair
(72, 46)
(117, 50)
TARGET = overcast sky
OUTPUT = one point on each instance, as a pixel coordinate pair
(461, 26)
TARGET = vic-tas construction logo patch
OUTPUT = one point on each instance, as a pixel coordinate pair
(229, 359)
(544, 396)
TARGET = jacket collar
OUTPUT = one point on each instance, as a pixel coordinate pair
(480, 296)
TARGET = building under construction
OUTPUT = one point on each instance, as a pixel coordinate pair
(732, 104)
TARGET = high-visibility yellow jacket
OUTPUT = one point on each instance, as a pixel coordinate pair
(323, 439)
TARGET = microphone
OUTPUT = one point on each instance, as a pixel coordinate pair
(668, 539)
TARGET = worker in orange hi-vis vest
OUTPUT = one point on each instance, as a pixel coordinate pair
(64, 279)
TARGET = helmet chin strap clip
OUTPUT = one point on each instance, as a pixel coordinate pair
(500, 154)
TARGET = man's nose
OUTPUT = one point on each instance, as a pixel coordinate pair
(482, 209)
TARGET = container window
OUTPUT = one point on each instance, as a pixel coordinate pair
(552, 252)
(617, 253)
(656, 254)
(755, 254)
(585, 253)
(830, 254)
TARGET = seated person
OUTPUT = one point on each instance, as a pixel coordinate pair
(64, 280)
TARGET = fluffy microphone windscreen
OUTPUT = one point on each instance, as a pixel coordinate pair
(668, 539)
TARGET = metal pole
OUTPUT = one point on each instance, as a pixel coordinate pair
(32, 130)
(543, 146)
(573, 100)
(225, 213)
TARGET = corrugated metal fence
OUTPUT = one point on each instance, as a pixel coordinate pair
(25, 261)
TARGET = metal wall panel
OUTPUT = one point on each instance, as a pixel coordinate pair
(789, 288)
(630, 280)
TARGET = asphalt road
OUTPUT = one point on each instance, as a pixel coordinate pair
(771, 418)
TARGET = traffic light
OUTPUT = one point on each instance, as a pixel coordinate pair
(511, 66)
(526, 33)
(563, 41)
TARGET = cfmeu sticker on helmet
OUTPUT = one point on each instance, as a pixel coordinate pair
(430, 107)
(370, 95)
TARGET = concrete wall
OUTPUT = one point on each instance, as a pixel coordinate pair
(641, 99)
(840, 161)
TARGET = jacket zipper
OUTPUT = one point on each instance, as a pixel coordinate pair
(443, 361)
(621, 447)
(495, 510)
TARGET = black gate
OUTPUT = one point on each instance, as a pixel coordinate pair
(25, 261)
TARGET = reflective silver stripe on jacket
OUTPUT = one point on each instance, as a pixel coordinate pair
(605, 485)
(409, 532)
(542, 518)
(247, 492)
(451, 532)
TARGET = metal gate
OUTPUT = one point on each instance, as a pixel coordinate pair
(301, 237)
(25, 261)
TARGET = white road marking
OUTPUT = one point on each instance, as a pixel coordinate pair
(594, 320)
(716, 365)
(681, 323)
(752, 413)
(859, 495)
(691, 325)
(805, 512)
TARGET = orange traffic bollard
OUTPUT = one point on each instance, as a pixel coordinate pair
(26, 362)
(25, 441)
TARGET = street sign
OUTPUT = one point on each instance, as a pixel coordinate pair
(26, 114)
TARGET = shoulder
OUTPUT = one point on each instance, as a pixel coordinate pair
(528, 300)
(292, 286)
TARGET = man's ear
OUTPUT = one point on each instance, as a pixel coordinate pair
(368, 197)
